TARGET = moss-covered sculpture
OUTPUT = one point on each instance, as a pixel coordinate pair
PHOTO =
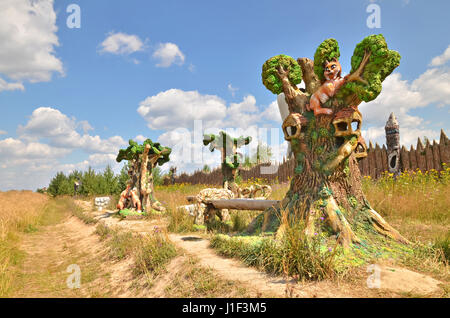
(227, 146)
(325, 192)
(139, 194)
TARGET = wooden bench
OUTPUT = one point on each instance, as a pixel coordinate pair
(239, 204)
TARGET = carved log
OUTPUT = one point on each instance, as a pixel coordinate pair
(404, 158)
(412, 158)
(444, 150)
(244, 204)
(429, 156)
(378, 160)
(420, 155)
(372, 164)
(384, 159)
(436, 156)
(365, 167)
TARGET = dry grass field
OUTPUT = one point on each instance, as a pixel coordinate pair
(20, 212)
(40, 236)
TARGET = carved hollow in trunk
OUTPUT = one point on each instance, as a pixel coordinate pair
(347, 122)
(294, 126)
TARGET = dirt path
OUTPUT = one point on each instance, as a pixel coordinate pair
(52, 249)
(230, 269)
(259, 284)
(394, 281)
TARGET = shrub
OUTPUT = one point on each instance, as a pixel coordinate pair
(154, 252)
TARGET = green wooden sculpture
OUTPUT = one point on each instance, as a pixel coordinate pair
(324, 130)
(139, 194)
(227, 146)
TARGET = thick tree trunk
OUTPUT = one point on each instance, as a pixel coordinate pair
(325, 191)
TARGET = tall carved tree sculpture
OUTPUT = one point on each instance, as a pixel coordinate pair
(324, 130)
(228, 147)
(142, 160)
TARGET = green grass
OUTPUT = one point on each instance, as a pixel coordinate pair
(417, 204)
(78, 212)
(121, 244)
(443, 244)
(151, 252)
(294, 255)
(180, 222)
(11, 256)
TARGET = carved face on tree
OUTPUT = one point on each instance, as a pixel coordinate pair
(332, 69)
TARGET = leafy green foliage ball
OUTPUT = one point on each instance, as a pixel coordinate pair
(326, 51)
(134, 150)
(270, 76)
(382, 62)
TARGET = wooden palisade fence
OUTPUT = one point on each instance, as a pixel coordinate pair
(424, 157)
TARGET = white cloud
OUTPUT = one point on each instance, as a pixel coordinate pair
(168, 54)
(85, 126)
(60, 130)
(401, 97)
(177, 108)
(11, 149)
(408, 135)
(434, 86)
(140, 138)
(272, 112)
(121, 44)
(5, 86)
(243, 114)
(441, 59)
(28, 37)
(3, 132)
(397, 96)
(49, 136)
(102, 160)
(189, 153)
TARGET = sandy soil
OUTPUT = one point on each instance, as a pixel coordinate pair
(53, 248)
(393, 280)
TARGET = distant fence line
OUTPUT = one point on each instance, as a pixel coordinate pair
(428, 157)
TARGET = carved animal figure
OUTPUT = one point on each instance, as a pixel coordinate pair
(333, 83)
(129, 194)
(328, 89)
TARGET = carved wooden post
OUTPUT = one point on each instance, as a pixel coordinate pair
(413, 158)
(404, 156)
(444, 148)
(393, 144)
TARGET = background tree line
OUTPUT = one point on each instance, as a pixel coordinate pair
(91, 182)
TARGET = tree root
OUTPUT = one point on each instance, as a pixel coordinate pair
(339, 223)
(382, 227)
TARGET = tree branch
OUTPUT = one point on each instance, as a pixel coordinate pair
(312, 82)
(295, 98)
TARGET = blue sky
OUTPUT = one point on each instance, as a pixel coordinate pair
(70, 98)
